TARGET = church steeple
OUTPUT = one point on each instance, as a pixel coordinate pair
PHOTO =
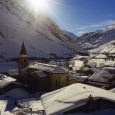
(23, 60)
(23, 50)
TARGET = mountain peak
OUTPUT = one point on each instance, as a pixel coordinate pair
(111, 26)
(99, 41)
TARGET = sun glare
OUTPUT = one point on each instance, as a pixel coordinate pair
(38, 5)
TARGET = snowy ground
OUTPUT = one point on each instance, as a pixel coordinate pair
(5, 66)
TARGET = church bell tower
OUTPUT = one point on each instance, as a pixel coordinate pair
(22, 60)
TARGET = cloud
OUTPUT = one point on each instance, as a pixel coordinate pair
(81, 29)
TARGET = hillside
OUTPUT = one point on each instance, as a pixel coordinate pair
(71, 35)
(102, 41)
(42, 37)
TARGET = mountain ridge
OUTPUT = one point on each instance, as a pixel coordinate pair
(99, 41)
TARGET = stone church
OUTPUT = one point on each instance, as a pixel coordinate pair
(40, 76)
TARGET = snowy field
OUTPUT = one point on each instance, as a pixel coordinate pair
(5, 66)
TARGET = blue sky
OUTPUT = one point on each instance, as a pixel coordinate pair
(81, 16)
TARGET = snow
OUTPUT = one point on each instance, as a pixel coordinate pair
(26, 111)
(29, 106)
(59, 62)
(6, 113)
(78, 64)
(71, 77)
(101, 63)
(103, 76)
(69, 34)
(5, 66)
(6, 105)
(101, 41)
(34, 104)
(95, 70)
(101, 56)
(78, 57)
(48, 67)
(72, 96)
(113, 90)
(5, 80)
(13, 72)
(81, 78)
(3, 104)
(41, 35)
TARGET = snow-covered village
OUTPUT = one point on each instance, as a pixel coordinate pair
(47, 68)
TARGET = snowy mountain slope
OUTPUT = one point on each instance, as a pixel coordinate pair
(41, 35)
(69, 34)
(99, 41)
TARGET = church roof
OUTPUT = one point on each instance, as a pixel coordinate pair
(40, 73)
(48, 68)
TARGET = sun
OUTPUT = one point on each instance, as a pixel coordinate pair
(38, 5)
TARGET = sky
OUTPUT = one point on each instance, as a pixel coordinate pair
(81, 16)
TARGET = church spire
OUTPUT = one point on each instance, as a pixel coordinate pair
(23, 60)
(23, 50)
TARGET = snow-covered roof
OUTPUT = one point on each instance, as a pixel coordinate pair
(40, 73)
(113, 90)
(3, 104)
(5, 80)
(85, 68)
(101, 56)
(103, 76)
(81, 78)
(48, 68)
(72, 96)
(71, 77)
(62, 63)
(81, 57)
(94, 69)
(34, 103)
(13, 72)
